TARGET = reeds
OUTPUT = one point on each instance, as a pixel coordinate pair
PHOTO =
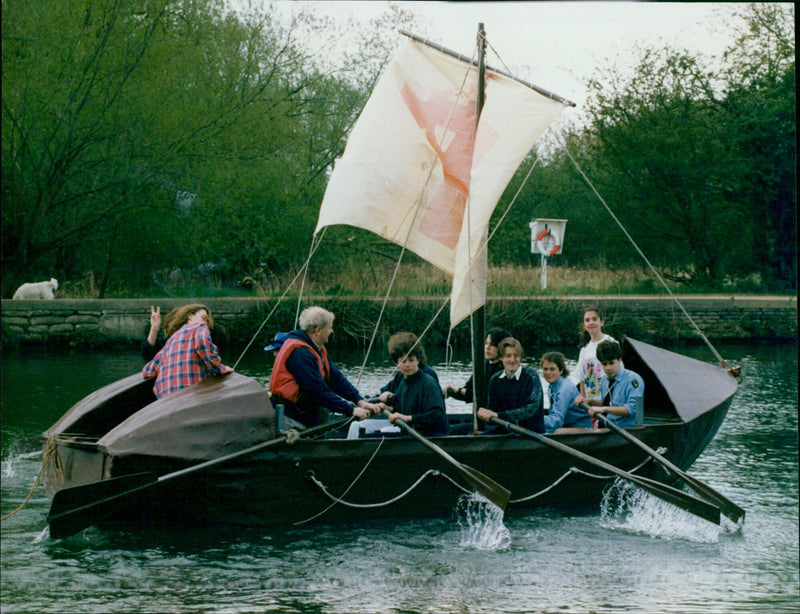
(515, 281)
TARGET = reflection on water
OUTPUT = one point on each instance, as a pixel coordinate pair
(640, 557)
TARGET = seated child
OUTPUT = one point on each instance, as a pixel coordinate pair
(391, 386)
(619, 387)
(514, 394)
(492, 366)
(417, 399)
(564, 412)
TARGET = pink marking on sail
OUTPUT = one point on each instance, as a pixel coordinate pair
(434, 109)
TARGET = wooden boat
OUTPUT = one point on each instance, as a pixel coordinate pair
(121, 430)
(122, 441)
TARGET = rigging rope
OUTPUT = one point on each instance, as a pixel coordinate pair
(435, 472)
(50, 456)
(733, 370)
(315, 243)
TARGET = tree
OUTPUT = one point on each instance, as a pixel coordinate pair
(141, 137)
(760, 107)
(64, 70)
(689, 154)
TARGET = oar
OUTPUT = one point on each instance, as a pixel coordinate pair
(76, 508)
(683, 500)
(726, 506)
(483, 484)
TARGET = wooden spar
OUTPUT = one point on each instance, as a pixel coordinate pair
(467, 60)
(478, 317)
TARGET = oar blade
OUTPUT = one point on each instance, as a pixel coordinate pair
(74, 509)
(486, 486)
(685, 501)
(483, 484)
(726, 506)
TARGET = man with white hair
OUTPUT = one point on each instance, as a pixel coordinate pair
(304, 380)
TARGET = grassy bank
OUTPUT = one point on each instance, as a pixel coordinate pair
(549, 318)
(372, 279)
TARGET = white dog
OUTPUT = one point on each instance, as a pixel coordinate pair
(36, 290)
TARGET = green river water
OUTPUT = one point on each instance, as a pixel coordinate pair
(647, 559)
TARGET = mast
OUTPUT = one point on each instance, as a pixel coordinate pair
(478, 317)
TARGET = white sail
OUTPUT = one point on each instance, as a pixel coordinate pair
(513, 119)
(415, 172)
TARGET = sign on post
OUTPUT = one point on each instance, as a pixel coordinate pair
(547, 239)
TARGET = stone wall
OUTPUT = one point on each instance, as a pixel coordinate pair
(113, 319)
(718, 317)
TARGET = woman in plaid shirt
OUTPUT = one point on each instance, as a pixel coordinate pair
(189, 355)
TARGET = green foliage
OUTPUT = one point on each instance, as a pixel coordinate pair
(141, 138)
(698, 163)
(760, 112)
(770, 327)
(172, 146)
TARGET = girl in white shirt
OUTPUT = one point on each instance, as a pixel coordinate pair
(588, 372)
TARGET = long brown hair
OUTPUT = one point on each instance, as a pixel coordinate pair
(585, 337)
(180, 315)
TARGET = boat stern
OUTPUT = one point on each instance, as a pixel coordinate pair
(71, 461)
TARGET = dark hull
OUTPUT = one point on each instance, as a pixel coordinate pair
(277, 488)
(393, 477)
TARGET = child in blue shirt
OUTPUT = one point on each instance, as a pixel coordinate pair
(619, 387)
(564, 412)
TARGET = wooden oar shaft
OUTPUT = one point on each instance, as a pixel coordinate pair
(309, 432)
(679, 498)
(490, 489)
(728, 507)
(426, 442)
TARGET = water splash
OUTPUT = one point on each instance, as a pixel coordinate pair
(481, 524)
(8, 467)
(629, 508)
(42, 536)
(729, 526)
(10, 464)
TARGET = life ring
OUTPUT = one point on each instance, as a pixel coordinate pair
(542, 246)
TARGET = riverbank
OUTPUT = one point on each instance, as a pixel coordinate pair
(549, 320)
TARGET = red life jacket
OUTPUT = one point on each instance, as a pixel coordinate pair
(282, 383)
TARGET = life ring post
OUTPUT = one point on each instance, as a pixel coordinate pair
(543, 277)
(547, 239)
